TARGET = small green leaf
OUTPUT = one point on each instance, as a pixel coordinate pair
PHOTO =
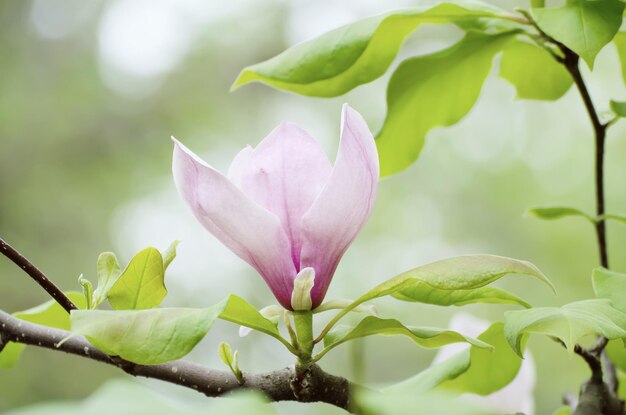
(558, 212)
(620, 45)
(466, 272)
(534, 72)
(355, 54)
(424, 293)
(611, 285)
(230, 360)
(569, 323)
(584, 26)
(430, 91)
(169, 254)
(424, 336)
(49, 314)
(141, 285)
(109, 271)
(146, 337)
(87, 290)
(619, 108)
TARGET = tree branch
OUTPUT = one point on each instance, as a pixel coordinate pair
(39, 277)
(311, 385)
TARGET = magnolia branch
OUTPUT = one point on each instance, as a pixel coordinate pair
(309, 385)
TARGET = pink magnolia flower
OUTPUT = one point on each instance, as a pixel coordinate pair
(283, 208)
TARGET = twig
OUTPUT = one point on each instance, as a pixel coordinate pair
(39, 277)
(281, 385)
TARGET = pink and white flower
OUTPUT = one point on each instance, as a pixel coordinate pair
(283, 208)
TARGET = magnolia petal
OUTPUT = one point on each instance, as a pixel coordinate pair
(239, 165)
(246, 228)
(302, 286)
(284, 174)
(344, 204)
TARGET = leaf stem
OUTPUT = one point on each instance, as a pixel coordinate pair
(39, 277)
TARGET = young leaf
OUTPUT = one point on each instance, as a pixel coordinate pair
(108, 273)
(534, 72)
(226, 356)
(146, 337)
(49, 314)
(569, 323)
(355, 54)
(169, 254)
(619, 108)
(141, 285)
(424, 336)
(427, 294)
(558, 212)
(87, 291)
(583, 26)
(466, 272)
(431, 91)
(611, 285)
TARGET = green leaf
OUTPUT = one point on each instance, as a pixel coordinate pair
(490, 369)
(477, 370)
(146, 337)
(430, 91)
(569, 323)
(141, 285)
(617, 353)
(87, 290)
(371, 402)
(169, 254)
(239, 311)
(565, 410)
(424, 293)
(424, 336)
(109, 271)
(49, 314)
(558, 212)
(229, 359)
(534, 72)
(620, 44)
(584, 26)
(619, 108)
(355, 54)
(611, 285)
(466, 272)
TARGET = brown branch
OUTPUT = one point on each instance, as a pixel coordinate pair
(311, 385)
(39, 277)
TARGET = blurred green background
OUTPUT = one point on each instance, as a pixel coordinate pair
(91, 91)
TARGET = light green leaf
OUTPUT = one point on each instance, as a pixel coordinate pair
(565, 410)
(230, 360)
(569, 323)
(424, 336)
(584, 26)
(534, 72)
(239, 311)
(424, 293)
(435, 375)
(430, 91)
(611, 285)
(617, 353)
(169, 254)
(620, 44)
(558, 212)
(619, 108)
(146, 337)
(87, 290)
(490, 369)
(370, 402)
(49, 314)
(109, 271)
(355, 54)
(141, 285)
(466, 272)
(476, 370)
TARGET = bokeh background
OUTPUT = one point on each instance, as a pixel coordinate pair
(91, 91)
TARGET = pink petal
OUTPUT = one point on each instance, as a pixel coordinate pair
(285, 173)
(239, 165)
(344, 204)
(246, 228)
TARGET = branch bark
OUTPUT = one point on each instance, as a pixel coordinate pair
(310, 385)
